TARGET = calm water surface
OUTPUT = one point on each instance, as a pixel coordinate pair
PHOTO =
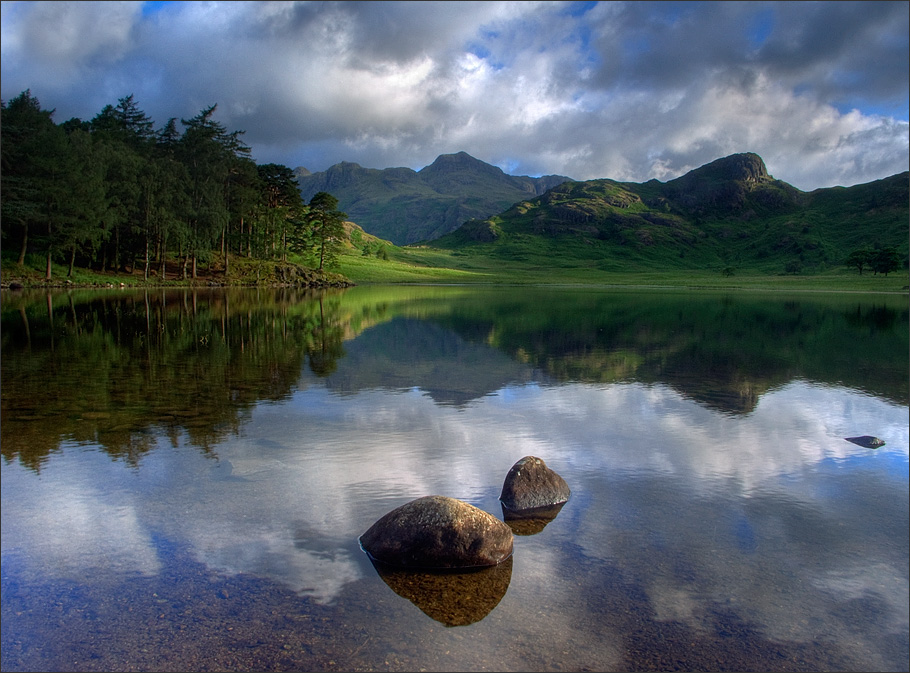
(185, 476)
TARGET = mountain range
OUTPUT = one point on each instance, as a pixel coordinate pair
(405, 206)
(729, 213)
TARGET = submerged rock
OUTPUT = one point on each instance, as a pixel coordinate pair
(437, 532)
(530, 521)
(454, 598)
(531, 485)
(866, 441)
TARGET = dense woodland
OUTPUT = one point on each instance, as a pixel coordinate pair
(115, 193)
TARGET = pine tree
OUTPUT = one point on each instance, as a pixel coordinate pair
(326, 228)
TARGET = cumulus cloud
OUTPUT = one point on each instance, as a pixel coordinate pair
(630, 91)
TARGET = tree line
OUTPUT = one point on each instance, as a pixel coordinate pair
(116, 194)
(882, 260)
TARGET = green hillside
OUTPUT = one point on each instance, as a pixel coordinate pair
(404, 206)
(728, 216)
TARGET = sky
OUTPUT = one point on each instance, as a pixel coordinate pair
(623, 90)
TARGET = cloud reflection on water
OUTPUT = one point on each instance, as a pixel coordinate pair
(755, 512)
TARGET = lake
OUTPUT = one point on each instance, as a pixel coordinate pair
(186, 474)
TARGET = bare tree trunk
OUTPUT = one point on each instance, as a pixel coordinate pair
(24, 245)
(322, 251)
(117, 248)
(50, 317)
(162, 257)
(28, 334)
(145, 273)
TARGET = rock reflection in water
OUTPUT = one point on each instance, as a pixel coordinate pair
(451, 598)
(530, 521)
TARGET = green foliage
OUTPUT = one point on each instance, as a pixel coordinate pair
(283, 209)
(881, 260)
(859, 259)
(793, 266)
(115, 195)
(238, 349)
(885, 260)
(326, 227)
(728, 214)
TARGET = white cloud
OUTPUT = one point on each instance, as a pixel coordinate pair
(63, 36)
(629, 91)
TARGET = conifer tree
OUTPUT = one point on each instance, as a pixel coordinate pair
(326, 228)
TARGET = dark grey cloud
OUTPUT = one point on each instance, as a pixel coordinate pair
(843, 51)
(629, 91)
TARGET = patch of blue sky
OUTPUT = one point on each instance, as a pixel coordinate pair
(155, 7)
(848, 80)
(578, 8)
(671, 12)
(760, 27)
(486, 55)
(582, 36)
(894, 109)
(897, 110)
(479, 51)
(509, 166)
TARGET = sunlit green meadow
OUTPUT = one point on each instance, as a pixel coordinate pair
(427, 265)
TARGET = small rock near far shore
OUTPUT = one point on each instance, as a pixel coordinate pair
(866, 441)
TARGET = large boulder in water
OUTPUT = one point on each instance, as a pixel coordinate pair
(436, 532)
(532, 486)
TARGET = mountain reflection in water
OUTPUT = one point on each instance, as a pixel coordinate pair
(186, 474)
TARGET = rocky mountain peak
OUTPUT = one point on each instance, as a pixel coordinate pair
(744, 167)
(460, 161)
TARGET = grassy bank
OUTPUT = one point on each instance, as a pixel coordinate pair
(426, 265)
(240, 272)
(434, 266)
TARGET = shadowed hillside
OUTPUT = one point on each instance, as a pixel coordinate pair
(728, 214)
(404, 206)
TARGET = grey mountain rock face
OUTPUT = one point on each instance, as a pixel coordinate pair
(406, 206)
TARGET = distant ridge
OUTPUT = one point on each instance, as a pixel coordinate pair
(727, 214)
(405, 206)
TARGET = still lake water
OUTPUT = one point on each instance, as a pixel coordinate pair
(185, 476)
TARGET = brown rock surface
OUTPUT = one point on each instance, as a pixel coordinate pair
(530, 484)
(438, 532)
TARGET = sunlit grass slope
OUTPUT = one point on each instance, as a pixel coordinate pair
(425, 265)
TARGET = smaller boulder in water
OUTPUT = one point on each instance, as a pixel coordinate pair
(530, 485)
